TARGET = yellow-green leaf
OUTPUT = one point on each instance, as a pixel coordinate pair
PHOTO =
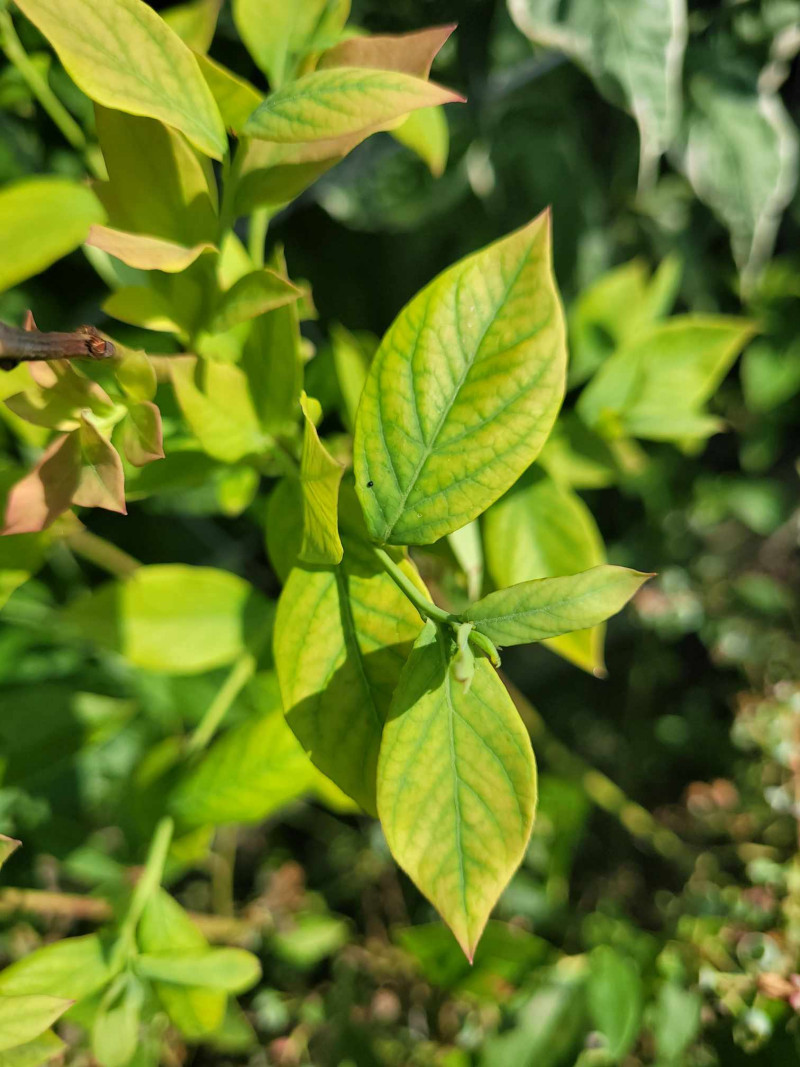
(277, 34)
(541, 530)
(195, 22)
(236, 98)
(158, 184)
(124, 56)
(73, 968)
(341, 102)
(426, 132)
(166, 928)
(23, 1018)
(33, 1053)
(456, 785)
(549, 607)
(250, 772)
(215, 398)
(253, 295)
(463, 391)
(342, 634)
(139, 305)
(42, 219)
(144, 252)
(320, 477)
(655, 385)
(171, 617)
(231, 969)
(7, 844)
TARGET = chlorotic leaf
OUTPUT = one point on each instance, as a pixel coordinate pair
(139, 305)
(320, 477)
(231, 969)
(342, 634)
(426, 132)
(549, 607)
(143, 252)
(236, 98)
(124, 56)
(43, 219)
(33, 1053)
(23, 1018)
(541, 530)
(456, 785)
(463, 391)
(341, 102)
(216, 401)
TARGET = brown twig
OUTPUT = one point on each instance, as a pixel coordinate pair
(217, 928)
(30, 345)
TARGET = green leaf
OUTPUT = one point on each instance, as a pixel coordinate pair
(284, 526)
(141, 306)
(71, 969)
(463, 391)
(310, 940)
(273, 362)
(342, 635)
(115, 1032)
(195, 22)
(352, 356)
(165, 928)
(33, 1053)
(230, 969)
(341, 102)
(677, 1022)
(43, 219)
(770, 374)
(137, 375)
(8, 845)
(170, 617)
(236, 98)
(740, 153)
(253, 295)
(142, 435)
(278, 34)
(662, 377)
(146, 253)
(250, 772)
(621, 303)
(158, 184)
(320, 478)
(632, 51)
(549, 607)
(124, 56)
(467, 547)
(426, 132)
(273, 174)
(23, 1018)
(615, 999)
(541, 530)
(216, 400)
(456, 786)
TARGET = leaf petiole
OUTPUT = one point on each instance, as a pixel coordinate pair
(426, 608)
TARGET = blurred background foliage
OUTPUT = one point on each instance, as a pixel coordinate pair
(656, 918)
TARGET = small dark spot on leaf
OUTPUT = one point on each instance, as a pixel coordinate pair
(370, 485)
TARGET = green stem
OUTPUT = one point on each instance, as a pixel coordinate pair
(146, 886)
(102, 553)
(259, 224)
(12, 46)
(426, 608)
(240, 674)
